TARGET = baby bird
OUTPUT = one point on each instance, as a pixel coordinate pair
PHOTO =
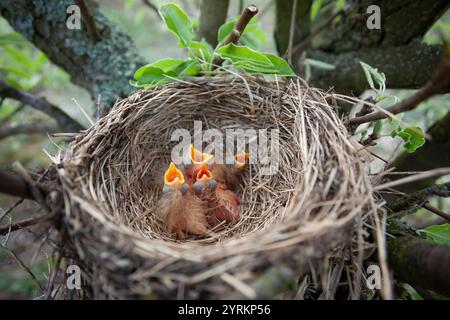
(197, 159)
(229, 175)
(180, 209)
(223, 204)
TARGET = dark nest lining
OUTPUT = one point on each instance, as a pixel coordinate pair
(317, 207)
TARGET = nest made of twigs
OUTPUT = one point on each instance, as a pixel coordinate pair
(312, 209)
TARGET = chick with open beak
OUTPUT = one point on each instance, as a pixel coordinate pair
(222, 204)
(197, 158)
(182, 212)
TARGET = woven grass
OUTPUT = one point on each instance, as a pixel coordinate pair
(311, 216)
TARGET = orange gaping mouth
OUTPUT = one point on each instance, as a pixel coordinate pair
(241, 159)
(173, 176)
(198, 157)
(203, 173)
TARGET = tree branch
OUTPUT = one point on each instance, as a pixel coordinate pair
(420, 197)
(403, 21)
(238, 29)
(30, 222)
(396, 49)
(420, 262)
(89, 21)
(149, 4)
(439, 82)
(301, 46)
(213, 14)
(416, 59)
(435, 153)
(302, 26)
(64, 121)
(29, 128)
(13, 185)
(103, 67)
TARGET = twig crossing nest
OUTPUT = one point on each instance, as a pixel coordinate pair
(312, 209)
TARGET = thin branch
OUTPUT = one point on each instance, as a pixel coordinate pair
(41, 128)
(300, 47)
(149, 4)
(29, 222)
(15, 186)
(291, 32)
(63, 119)
(437, 211)
(38, 191)
(22, 264)
(420, 197)
(439, 82)
(439, 172)
(238, 29)
(89, 20)
(18, 202)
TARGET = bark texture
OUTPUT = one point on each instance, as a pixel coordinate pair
(103, 67)
(396, 49)
(420, 262)
(213, 14)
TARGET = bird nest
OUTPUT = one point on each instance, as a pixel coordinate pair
(306, 218)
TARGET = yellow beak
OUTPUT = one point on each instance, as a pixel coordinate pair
(198, 157)
(203, 174)
(241, 160)
(173, 177)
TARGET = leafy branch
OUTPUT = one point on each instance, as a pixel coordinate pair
(439, 82)
(203, 58)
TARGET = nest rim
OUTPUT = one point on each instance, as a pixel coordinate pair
(302, 222)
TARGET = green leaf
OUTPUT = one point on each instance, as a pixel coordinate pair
(225, 30)
(411, 293)
(202, 50)
(148, 76)
(178, 22)
(161, 71)
(280, 65)
(317, 4)
(413, 138)
(253, 61)
(438, 233)
(234, 54)
(374, 76)
(128, 3)
(164, 65)
(11, 38)
(319, 64)
(189, 67)
(339, 5)
(253, 36)
(16, 71)
(20, 57)
(377, 127)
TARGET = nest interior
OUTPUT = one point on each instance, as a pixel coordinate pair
(111, 176)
